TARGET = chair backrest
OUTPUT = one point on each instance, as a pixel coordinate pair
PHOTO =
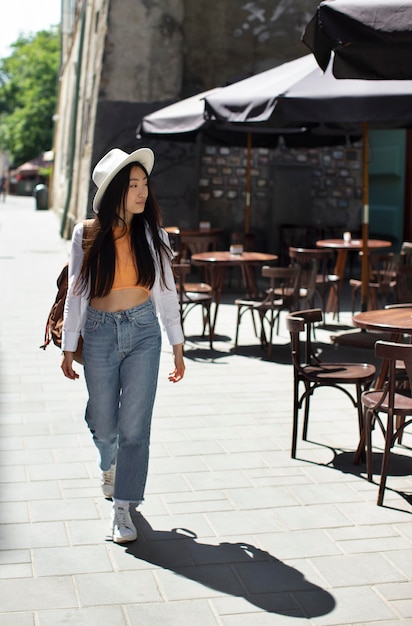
(384, 267)
(181, 270)
(297, 322)
(284, 285)
(313, 262)
(393, 352)
(406, 253)
(403, 287)
(199, 243)
(305, 255)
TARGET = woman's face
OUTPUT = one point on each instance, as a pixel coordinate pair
(137, 193)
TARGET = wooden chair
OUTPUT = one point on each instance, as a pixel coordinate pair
(193, 244)
(313, 373)
(383, 278)
(403, 288)
(406, 253)
(282, 295)
(387, 401)
(192, 295)
(324, 281)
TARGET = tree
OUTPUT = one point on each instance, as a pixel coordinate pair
(28, 95)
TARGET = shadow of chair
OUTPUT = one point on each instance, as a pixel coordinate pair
(324, 280)
(313, 373)
(192, 294)
(282, 295)
(382, 282)
(396, 406)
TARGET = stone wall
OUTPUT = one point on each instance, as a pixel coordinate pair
(314, 187)
(228, 40)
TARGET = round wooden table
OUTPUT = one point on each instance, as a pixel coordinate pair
(342, 248)
(396, 321)
(217, 262)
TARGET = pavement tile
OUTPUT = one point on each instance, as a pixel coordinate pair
(402, 560)
(235, 460)
(88, 532)
(19, 536)
(315, 516)
(367, 545)
(12, 474)
(29, 491)
(298, 544)
(60, 471)
(116, 588)
(14, 512)
(53, 510)
(198, 582)
(65, 561)
(179, 465)
(21, 619)
(32, 594)
(233, 523)
(354, 569)
(84, 616)
(261, 497)
(195, 612)
(354, 605)
(16, 570)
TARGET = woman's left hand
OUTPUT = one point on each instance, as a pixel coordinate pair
(179, 369)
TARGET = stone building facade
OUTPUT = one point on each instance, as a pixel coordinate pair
(125, 58)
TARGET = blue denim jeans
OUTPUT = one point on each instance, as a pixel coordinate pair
(121, 354)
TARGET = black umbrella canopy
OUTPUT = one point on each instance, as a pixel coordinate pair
(185, 120)
(371, 39)
(299, 93)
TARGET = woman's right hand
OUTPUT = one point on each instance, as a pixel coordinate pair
(67, 365)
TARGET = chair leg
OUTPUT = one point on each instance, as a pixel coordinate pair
(359, 407)
(295, 417)
(385, 459)
(369, 419)
(237, 327)
(400, 420)
(254, 322)
(306, 417)
(360, 450)
(336, 311)
(207, 322)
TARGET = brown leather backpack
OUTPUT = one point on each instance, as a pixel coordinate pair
(54, 324)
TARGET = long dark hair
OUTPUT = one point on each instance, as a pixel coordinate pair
(98, 268)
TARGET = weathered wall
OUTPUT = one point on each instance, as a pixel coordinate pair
(227, 40)
(143, 59)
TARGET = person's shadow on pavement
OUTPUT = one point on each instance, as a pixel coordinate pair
(236, 569)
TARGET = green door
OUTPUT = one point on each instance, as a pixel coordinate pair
(387, 153)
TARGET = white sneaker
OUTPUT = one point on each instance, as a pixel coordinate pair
(123, 529)
(107, 482)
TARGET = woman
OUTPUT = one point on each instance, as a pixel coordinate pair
(120, 276)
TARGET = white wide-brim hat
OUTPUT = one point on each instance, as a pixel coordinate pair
(111, 164)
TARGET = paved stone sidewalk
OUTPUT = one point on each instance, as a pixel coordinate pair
(233, 531)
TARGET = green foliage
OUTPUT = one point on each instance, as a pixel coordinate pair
(28, 95)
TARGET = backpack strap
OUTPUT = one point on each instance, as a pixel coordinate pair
(54, 324)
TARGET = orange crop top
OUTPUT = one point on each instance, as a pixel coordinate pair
(125, 274)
